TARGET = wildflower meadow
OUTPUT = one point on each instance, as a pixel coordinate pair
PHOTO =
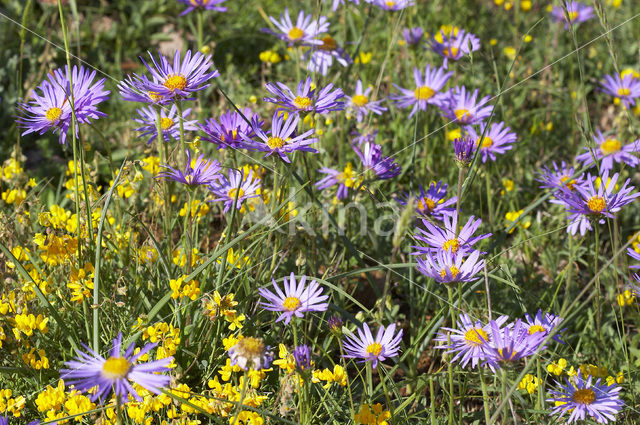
(376, 212)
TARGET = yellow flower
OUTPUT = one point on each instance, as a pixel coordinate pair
(626, 298)
(510, 52)
(364, 58)
(512, 216)
(11, 168)
(286, 361)
(525, 5)
(14, 196)
(372, 415)
(151, 164)
(557, 368)
(508, 186)
(529, 383)
(269, 56)
(180, 288)
(453, 134)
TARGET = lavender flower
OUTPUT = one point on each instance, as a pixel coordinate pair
(426, 91)
(625, 89)
(464, 108)
(321, 56)
(496, 140)
(297, 298)
(610, 150)
(197, 171)
(453, 43)
(432, 203)
(305, 99)
(392, 5)
(169, 123)
(576, 13)
(302, 356)
(231, 129)
(345, 180)
(305, 30)
(412, 36)
(446, 267)
(235, 189)
(372, 159)
(361, 104)
(464, 149)
(202, 5)
(365, 347)
(448, 238)
(250, 353)
(563, 176)
(544, 324)
(510, 344)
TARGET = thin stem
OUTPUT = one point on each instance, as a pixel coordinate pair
(165, 185)
(386, 395)
(449, 363)
(485, 397)
(597, 276)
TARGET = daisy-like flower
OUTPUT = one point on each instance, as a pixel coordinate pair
(432, 203)
(453, 43)
(305, 30)
(302, 356)
(593, 201)
(464, 149)
(235, 189)
(347, 179)
(297, 298)
(467, 340)
(50, 105)
(282, 138)
(169, 123)
(361, 104)
(464, 108)
(610, 150)
(321, 55)
(576, 13)
(306, 99)
(447, 238)
(496, 140)
(364, 346)
(412, 36)
(543, 323)
(203, 5)
(393, 4)
(371, 156)
(231, 129)
(446, 267)
(625, 89)
(631, 252)
(561, 176)
(138, 88)
(510, 344)
(182, 78)
(427, 91)
(5, 421)
(250, 353)
(581, 397)
(198, 171)
(116, 372)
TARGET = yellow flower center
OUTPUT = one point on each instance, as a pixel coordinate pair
(424, 93)
(302, 102)
(234, 135)
(573, 16)
(596, 204)
(503, 356)
(567, 183)
(53, 114)
(360, 100)
(623, 91)
(176, 82)
(453, 270)
(236, 191)
(536, 328)
(328, 43)
(291, 303)
(116, 368)
(610, 146)
(275, 142)
(472, 336)
(166, 123)
(426, 204)
(487, 142)
(451, 52)
(451, 245)
(374, 349)
(295, 33)
(584, 396)
(461, 114)
(390, 3)
(155, 96)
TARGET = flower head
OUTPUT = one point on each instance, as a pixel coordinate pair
(322, 54)
(581, 397)
(427, 91)
(305, 30)
(250, 353)
(610, 150)
(432, 203)
(169, 123)
(198, 171)
(625, 89)
(464, 149)
(50, 105)
(497, 139)
(544, 324)
(576, 13)
(446, 267)
(347, 179)
(302, 356)
(453, 43)
(306, 99)
(116, 372)
(203, 5)
(231, 129)
(297, 298)
(561, 176)
(510, 344)
(448, 238)
(138, 88)
(361, 104)
(365, 347)
(371, 156)
(412, 36)
(464, 108)
(235, 189)
(392, 4)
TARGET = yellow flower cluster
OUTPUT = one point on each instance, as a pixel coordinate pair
(151, 164)
(337, 376)
(529, 383)
(55, 250)
(181, 289)
(14, 196)
(270, 56)
(10, 169)
(180, 259)
(10, 404)
(198, 208)
(81, 282)
(165, 335)
(525, 5)
(512, 216)
(508, 186)
(36, 362)
(626, 298)
(237, 260)
(219, 306)
(27, 323)
(560, 368)
(58, 404)
(92, 191)
(372, 415)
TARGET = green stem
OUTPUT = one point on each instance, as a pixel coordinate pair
(597, 276)
(386, 395)
(243, 393)
(485, 397)
(200, 18)
(449, 363)
(165, 184)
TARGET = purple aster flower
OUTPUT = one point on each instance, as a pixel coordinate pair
(594, 201)
(361, 104)
(302, 356)
(610, 150)
(321, 56)
(335, 324)
(510, 343)
(116, 372)
(460, 106)
(250, 353)
(464, 149)
(169, 123)
(581, 397)
(138, 88)
(453, 43)
(448, 238)
(412, 36)
(496, 140)
(296, 298)
(432, 203)
(197, 171)
(365, 136)
(202, 5)
(231, 129)
(427, 91)
(182, 78)
(337, 3)
(624, 89)
(5, 421)
(467, 340)
(372, 159)
(544, 323)
(392, 4)
(235, 189)
(447, 267)
(282, 138)
(563, 176)
(305, 30)
(305, 99)
(631, 252)
(364, 346)
(345, 180)
(576, 13)
(50, 105)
